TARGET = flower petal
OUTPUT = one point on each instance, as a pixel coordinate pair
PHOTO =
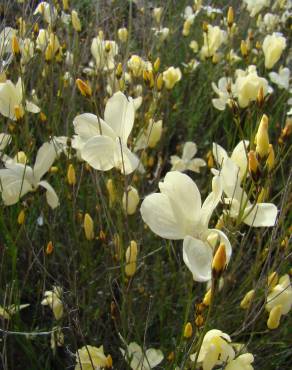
(13, 185)
(195, 164)
(158, 214)
(87, 125)
(189, 151)
(120, 114)
(153, 357)
(261, 215)
(52, 197)
(211, 201)
(31, 107)
(198, 256)
(239, 157)
(219, 154)
(99, 152)
(125, 160)
(46, 156)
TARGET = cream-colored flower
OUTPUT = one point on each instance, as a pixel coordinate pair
(42, 39)
(171, 76)
(282, 78)
(150, 136)
(104, 52)
(139, 359)
(53, 300)
(242, 362)
(248, 84)
(47, 10)
(255, 6)
(224, 91)
(187, 161)
(273, 47)
(213, 39)
(7, 312)
(90, 357)
(216, 349)
(136, 65)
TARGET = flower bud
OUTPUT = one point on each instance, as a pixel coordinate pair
(119, 71)
(247, 299)
(21, 217)
(199, 321)
(148, 78)
(131, 259)
(65, 4)
(157, 12)
(75, 21)
(111, 192)
(109, 361)
(230, 17)
(188, 330)
(187, 27)
(273, 280)
(260, 97)
(123, 34)
(207, 298)
(49, 248)
(71, 176)
(88, 227)
(253, 163)
(219, 260)
(15, 46)
(83, 87)
(243, 48)
(130, 200)
(274, 317)
(262, 138)
(156, 64)
(159, 82)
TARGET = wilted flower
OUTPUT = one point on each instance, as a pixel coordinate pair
(89, 357)
(11, 99)
(177, 213)
(18, 179)
(139, 359)
(216, 349)
(171, 76)
(103, 143)
(273, 47)
(53, 300)
(282, 78)
(187, 161)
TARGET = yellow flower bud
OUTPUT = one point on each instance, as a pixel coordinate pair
(49, 248)
(275, 317)
(84, 87)
(130, 200)
(75, 21)
(187, 27)
(188, 330)
(111, 192)
(156, 65)
(119, 71)
(159, 82)
(54, 169)
(71, 176)
(244, 48)
(262, 138)
(131, 259)
(123, 34)
(253, 163)
(260, 96)
(271, 158)
(65, 4)
(43, 117)
(88, 227)
(15, 46)
(230, 17)
(19, 112)
(219, 260)
(210, 159)
(199, 321)
(49, 53)
(273, 280)
(207, 298)
(247, 299)
(109, 361)
(148, 78)
(21, 217)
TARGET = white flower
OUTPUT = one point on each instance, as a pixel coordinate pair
(273, 47)
(11, 98)
(108, 148)
(281, 78)
(252, 214)
(281, 294)
(150, 136)
(187, 161)
(215, 350)
(48, 11)
(161, 33)
(18, 179)
(242, 362)
(224, 91)
(171, 76)
(104, 52)
(213, 39)
(255, 6)
(53, 300)
(248, 84)
(90, 357)
(177, 213)
(142, 360)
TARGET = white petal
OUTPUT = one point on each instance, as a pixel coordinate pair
(262, 215)
(52, 197)
(13, 186)
(197, 255)
(86, 125)
(99, 152)
(219, 104)
(239, 157)
(219, 154)
(31, 107)
(125, 160)
(120, 114)
(177, 163)
(195, 164)
(46, 156)
(184, 196)
(212, 200)
(158, 214)
(189, 151)
(8, 99)
(153, 357)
